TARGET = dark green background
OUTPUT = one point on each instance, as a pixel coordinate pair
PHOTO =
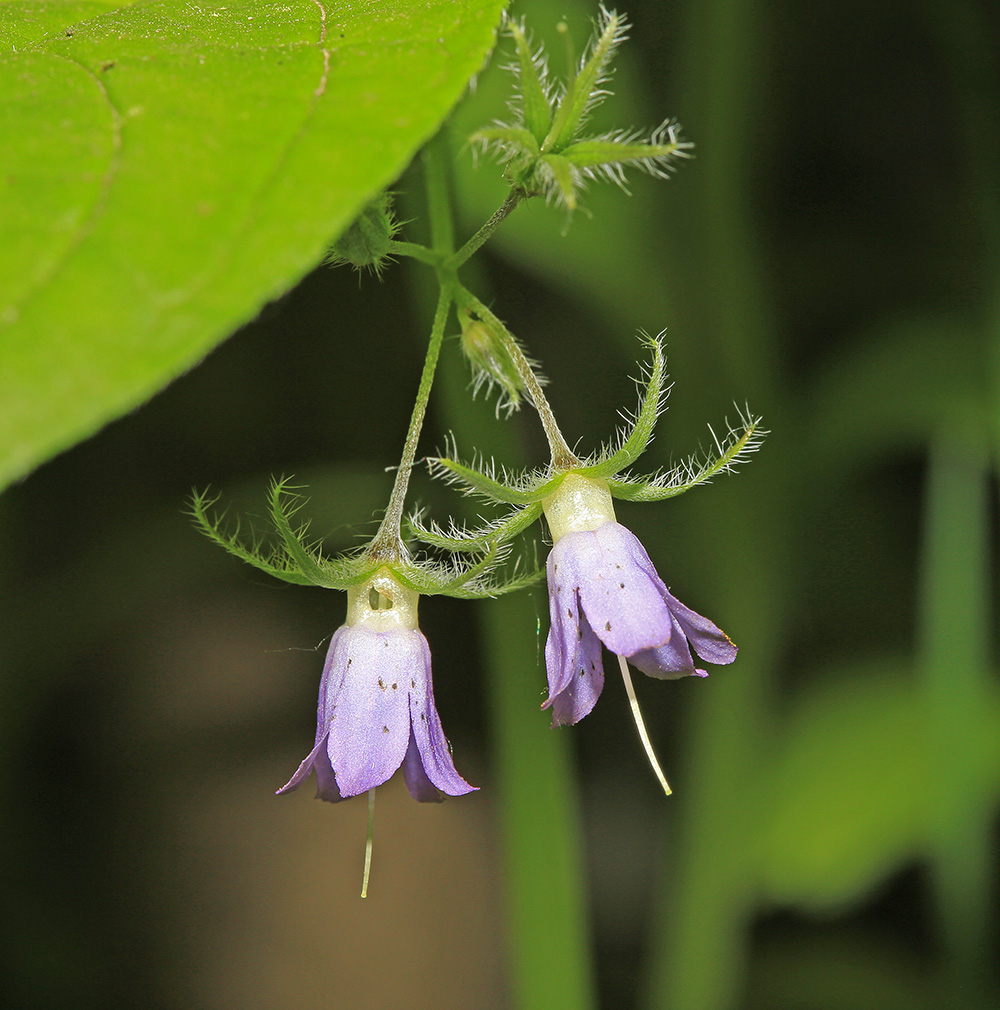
(832, 257)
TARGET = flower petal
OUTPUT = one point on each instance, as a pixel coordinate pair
(580, 672)
(303, 770)
(420, 786)
(668, 661)
(326, 781)
(564, 620)
(318, 760)
(619, 589)
(330, 685)
(369, 717)
(427, 735)
(709, 641)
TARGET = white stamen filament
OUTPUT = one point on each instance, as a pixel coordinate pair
(368, 843)
(641, 726)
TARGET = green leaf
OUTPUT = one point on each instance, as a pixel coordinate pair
(168, 168)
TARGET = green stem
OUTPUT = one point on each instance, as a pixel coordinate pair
(563, 457)
(514, 197)
(415, 251)
(548, 943)
(388, 543)
(548, 919)
(955, 621)
(388, 540)
(437, 163)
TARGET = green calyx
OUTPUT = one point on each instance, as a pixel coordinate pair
(543, 152)
(293, 557)
(527, 491)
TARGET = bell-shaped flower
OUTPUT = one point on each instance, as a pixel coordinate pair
(604, 590)
(376, 708)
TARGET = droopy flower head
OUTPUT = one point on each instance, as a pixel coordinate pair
(376, 703)
(603, 589)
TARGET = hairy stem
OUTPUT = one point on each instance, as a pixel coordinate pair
(388, 542)
(562, 456)
(514, 197)
(414, 251)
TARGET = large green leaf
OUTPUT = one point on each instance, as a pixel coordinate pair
(167, 168)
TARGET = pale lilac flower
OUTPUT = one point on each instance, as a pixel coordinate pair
(376, 704)
(603, 589)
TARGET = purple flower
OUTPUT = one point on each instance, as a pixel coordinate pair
(603, 589)
(376, 704)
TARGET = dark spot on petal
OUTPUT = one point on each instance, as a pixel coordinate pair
(423, 718)
(555, 568)
(607, 625)
(413, 683)
(385, 729)
(621, 585)
(569, 612)
(394, 687)
(350, 660)
(386, 643)
(579, 634)
(583, 673)
(381, 684)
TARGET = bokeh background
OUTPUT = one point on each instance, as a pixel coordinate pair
(831, 257)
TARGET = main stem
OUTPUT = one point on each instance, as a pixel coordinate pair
(388, 542)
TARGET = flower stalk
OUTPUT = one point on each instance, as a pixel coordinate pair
(387, 544)
(562, 457)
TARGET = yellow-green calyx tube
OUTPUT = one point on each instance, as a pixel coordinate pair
(579, 504)
(382, 604)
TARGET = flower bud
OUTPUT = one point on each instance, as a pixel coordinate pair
(484, 348)
(366, 241)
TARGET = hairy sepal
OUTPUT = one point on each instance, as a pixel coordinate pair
(652, 404)
(529, 487)
(532, 71)
(732, 450)
(584, 91)
(479, 540)
(608, 156)
(273, 562)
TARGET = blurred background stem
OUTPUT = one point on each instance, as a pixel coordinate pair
(698, 952)
(955, 632)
